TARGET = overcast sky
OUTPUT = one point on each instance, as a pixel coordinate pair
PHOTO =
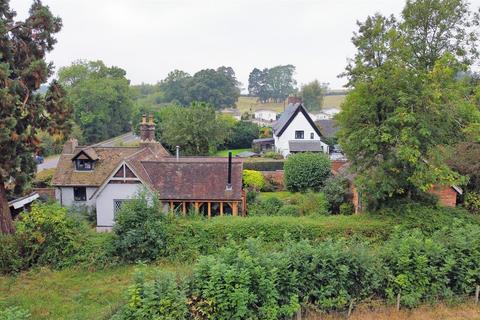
(149, 38)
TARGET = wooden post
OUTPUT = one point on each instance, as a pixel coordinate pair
(197, 208)
(171, 205)
(221, 209)
(350, 308)
(398, 301)
(184, 208)
(477, 294)
(209, 209)
(299, 314)
(234, 209)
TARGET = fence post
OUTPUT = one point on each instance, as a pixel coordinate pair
(398, 300)
(299, 314)
(350, 308)
(477, 294)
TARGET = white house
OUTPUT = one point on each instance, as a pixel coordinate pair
(295, 132)
(266, 115)
(103, 178)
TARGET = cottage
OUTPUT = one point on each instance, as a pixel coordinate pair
(266, 115)
(295, 131)
(103, 178)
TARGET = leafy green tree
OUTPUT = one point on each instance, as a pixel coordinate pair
(23, 110)
(312, 95)
(243, 132)
(175, 87)
(275, 84)
(99, 95)
(306, 171)
(408, 99)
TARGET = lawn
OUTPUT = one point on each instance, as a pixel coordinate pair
(71, 293)
(224, 153)
(251, 104)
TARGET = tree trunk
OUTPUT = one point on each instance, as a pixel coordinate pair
(6, 224)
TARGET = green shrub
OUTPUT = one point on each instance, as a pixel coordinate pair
(242, 283)
(253, 179)
(50, 236)
(263, 165)
(346, 209)
(418, 268)
(140, 230)
(266, 207)
(472, 202)
(306, 171)
(11, 259)
(310, 203)
(161, 298)
(336, 191)
(289, 210)
(14, 313)
(273, 155)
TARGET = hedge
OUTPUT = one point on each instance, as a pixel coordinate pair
(264, 165)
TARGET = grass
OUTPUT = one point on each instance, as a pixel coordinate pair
(250, 104)
(282, 195)
(224, 153)
(71, 293)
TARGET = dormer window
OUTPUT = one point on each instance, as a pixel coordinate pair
(83, 165)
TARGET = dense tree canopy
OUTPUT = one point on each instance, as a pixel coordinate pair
(274, 84)
(408, 98)
(23, 110)
(312, 95)
(100, 95)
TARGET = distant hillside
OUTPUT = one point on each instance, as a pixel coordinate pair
(251, 104)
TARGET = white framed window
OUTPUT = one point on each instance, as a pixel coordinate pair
(312, 135)
(117, 205)
(79, 193)
(299, 134)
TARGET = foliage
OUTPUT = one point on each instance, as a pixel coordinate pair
(312, 95)
(23, 110)
(10, 256)
(268, 207)
(263, 165)
(311, 203)
(99, 95)
(472, 202)
(44, 178)
(274, 84)
(218, 88)
(139, 231)
(50, 237)
(464, 159)
(306, 171)
(336, 192)
(411, 94)
(273, 155)
(346, 208)
(243, 133)
(243, 283)
(14, 313)
(161, 298)
(49, 144)
(253, 179)
(289, 210)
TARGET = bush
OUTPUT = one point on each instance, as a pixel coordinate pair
(472, 202)
(336, 191)
(242, 283)
(273, 155)
(11, 259)
(14, 313)
(43, 179)
(139, 231)
(268, 207)
(311, 203)
(161, 298)
(243, 132)
(289, 210)
(263, 165)
(306, 171)
(347, 208)
(50, 236)
(253, 179)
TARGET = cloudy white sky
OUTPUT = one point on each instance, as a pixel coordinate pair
(149, 38)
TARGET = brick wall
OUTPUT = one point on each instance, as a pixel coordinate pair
(447, 196)
(48, 193)
(337, 164)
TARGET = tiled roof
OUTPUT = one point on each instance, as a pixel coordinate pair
(202, 178)
(305, 145)
(328, 128)
(108, 158)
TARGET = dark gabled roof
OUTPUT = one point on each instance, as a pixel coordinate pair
(263, 140)
(328, 128)
(87, 152)
(305, 145)
(287, 117)
(199, 178)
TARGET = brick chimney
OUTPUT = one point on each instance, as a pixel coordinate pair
(147, 129)
(294, 100)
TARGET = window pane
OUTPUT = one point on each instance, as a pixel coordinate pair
(80, 194)
(311, 135)
(298, 134)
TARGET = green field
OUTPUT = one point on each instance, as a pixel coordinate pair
(250, 104)
(224, 153)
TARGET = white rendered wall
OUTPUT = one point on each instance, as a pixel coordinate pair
(299, 123)
(266, 115)
(64, 196)
(104, 201)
